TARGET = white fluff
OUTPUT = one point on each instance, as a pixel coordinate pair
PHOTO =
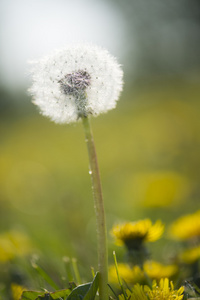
(102, 93)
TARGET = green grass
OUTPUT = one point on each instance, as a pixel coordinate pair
(152, 138)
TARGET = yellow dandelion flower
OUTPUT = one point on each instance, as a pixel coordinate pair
(186, 227)
(157, 270)
(137, 293)
(12, 244)
(127, 274)
(189, 256)
(17, 291)
(164, 291)
(6, 249)
(133, 234)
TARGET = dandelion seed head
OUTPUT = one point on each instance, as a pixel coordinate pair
(76, 81)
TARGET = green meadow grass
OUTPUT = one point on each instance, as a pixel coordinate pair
(148, 150)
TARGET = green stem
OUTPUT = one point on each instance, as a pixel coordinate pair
(76, 271)
(118, 277)
(99, 210)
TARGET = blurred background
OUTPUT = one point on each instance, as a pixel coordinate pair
(148, 147)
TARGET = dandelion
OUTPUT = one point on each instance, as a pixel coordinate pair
(156, 270)
(153, 269)
(137, 293)
(163, 291)
(72, 84)
(76, 81)
(186, 227)
(134, 234)
(12, 244)
(190, 255)
(129, 275)
(16, 291)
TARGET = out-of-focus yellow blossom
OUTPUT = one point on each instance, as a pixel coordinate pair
(189, 256)
(128, 274)
(132, 275)
(164, 189)
(158, 188)
(17, 291)
(12, 244)
(156, 270)
(6, 250)
(163, 291)
(133, 234)
(186, 227)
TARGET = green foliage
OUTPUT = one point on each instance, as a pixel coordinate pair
(82, 292)
(191, 290)
(152, 169)
(30, 295)
(85, 291)
(46, 277)
(58, 295)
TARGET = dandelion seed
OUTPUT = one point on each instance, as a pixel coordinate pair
(76, 81)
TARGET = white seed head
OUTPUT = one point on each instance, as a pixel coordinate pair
(76, 81)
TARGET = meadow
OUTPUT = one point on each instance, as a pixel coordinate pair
(148, 150)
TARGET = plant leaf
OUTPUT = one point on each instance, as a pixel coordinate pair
(30, 295)
(45, 276)
(60, 294)
(79, 292)
(85, 291)
(46, 296)
(93, 288)
(82, 292)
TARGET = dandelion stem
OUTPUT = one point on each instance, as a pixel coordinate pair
(99, 210)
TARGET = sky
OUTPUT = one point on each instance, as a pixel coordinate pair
(30, 29)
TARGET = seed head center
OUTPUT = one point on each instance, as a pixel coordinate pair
(75, 82)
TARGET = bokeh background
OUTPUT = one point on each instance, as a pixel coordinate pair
(148, 147)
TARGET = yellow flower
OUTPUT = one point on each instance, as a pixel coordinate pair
(12, 244)
(190, 255)
(17, 291)
(127, 274)
(137, 293)
(163, 291)
(133, 234)
(157, 188)
(186, 227)
(152, 269)
(157, 270)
